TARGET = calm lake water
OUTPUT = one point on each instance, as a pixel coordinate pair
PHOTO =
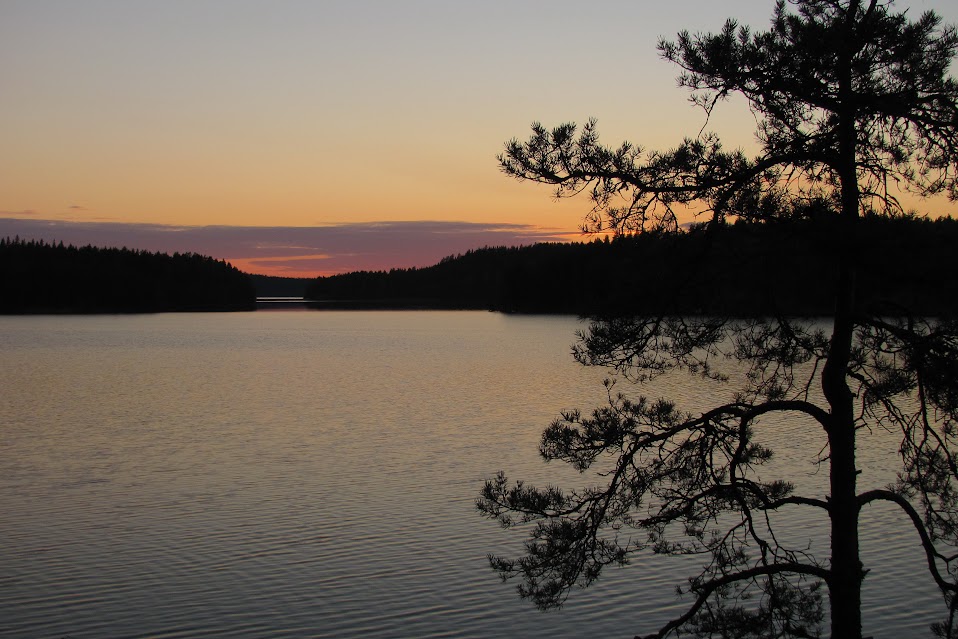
(313, 474)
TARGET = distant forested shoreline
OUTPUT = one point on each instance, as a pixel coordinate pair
(745, 270)
(41, 277)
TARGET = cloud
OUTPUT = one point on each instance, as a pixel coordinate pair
(294, 251)
(288, 265)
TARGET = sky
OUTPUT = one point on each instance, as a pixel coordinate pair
(308, 137)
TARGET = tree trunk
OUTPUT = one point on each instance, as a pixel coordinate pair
(846, 567)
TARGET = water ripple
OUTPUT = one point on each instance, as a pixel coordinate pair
(313, 475)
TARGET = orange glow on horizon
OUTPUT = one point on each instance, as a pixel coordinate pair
(291, 265)
(343, 113)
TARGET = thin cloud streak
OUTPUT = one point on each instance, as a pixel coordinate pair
(294, 251)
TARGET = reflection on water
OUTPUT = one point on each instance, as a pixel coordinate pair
(313, 475)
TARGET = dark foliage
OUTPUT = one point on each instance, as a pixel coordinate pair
(38, 277)
(740, 270)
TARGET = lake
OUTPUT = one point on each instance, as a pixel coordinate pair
(313, 474)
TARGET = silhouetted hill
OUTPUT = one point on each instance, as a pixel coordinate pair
(44, 278)
(739, 270)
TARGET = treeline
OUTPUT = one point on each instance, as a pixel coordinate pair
(40, 277)
(277, 286)
(906, 264)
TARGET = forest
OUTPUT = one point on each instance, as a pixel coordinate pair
(738, 270)
(41, 277)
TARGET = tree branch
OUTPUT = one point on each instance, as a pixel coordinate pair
(931, 553)
(705, 590)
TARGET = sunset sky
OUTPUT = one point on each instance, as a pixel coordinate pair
(347, 134)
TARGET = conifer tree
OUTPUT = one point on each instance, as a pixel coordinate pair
(854, 104)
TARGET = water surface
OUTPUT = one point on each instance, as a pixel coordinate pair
(313, 474)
